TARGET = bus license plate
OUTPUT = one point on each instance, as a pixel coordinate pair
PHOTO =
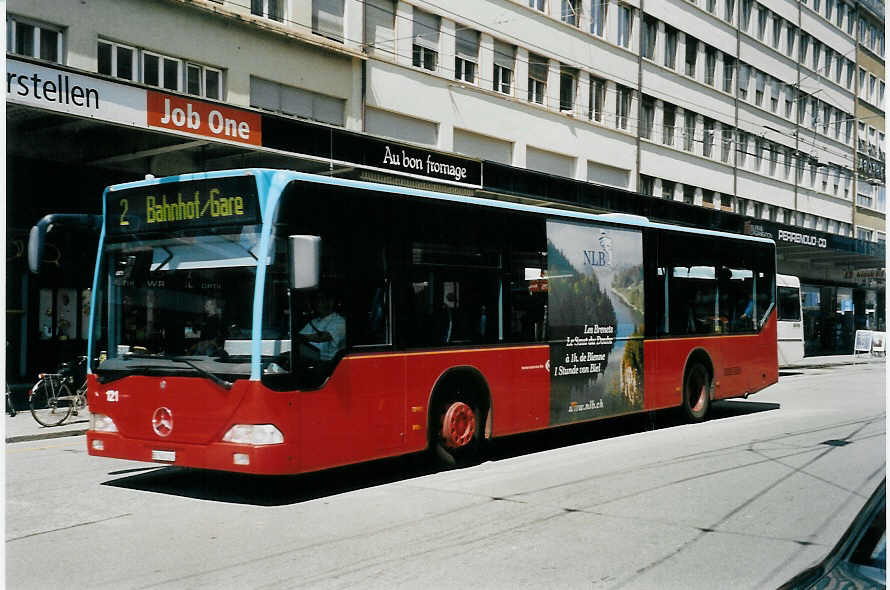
(165, 456)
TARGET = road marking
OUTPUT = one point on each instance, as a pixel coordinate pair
(40, 448)
(65, 528)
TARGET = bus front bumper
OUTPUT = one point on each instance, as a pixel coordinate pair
(274, 459)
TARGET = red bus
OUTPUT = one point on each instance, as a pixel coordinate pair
(274, 322)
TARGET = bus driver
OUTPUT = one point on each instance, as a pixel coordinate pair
(325, 335)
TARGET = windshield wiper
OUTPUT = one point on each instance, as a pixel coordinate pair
(218, 380)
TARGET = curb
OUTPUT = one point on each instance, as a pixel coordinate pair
(42, 436)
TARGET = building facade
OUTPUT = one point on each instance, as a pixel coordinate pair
(734, 113)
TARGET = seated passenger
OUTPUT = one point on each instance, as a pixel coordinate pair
(324, 335)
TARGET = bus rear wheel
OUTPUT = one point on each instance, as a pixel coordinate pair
(696, 393)
(457, 434)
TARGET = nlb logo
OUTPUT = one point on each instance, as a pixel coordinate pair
(201, 118)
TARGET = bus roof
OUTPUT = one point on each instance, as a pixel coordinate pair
(281, 177)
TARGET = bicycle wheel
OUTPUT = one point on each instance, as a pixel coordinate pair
(51, 406)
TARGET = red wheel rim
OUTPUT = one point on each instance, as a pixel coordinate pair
(458, 425)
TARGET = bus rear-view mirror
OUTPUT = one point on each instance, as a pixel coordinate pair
(305, 261)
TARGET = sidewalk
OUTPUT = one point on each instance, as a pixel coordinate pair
(23, 427)
(821, 362)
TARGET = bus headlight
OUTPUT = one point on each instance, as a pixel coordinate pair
(254, 434)
(102, 423)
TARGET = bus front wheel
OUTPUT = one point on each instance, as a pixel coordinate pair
(457, 433)
(696, 393)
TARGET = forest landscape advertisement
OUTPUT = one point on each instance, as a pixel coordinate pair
(595, 319)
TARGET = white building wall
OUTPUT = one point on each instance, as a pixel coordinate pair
(469, 117)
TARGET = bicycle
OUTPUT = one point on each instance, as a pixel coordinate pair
(55, 397)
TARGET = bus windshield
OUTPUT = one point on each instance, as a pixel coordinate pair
(177, 303)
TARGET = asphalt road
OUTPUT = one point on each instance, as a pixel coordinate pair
(745, 500)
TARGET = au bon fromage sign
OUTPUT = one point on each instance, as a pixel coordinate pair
(434, 165)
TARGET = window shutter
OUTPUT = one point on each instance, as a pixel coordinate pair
(467, 44)
(426, 29)
(504, 54)
(537, 67)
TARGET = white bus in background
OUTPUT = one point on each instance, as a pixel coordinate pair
(790, 324)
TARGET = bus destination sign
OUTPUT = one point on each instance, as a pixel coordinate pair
(202, 203)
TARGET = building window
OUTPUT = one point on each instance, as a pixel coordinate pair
(774, 94)
(670, 122)
(466, 56)
(850, 19)
(622, 106)
(667, 189)
(789, 101)
(32, 39)
(689, 131)
(597, 99)
(744, 75)
(863, 234)
(688, 194)
(725, 143)
(728, 72)
(759, 85)
(711, 6)
(598, 16)
(571, 12)
(861, 83)
(762, 13)
(790, 34)
(850, 70)
(625, 24)
(203, 81)
(758, 153)
(838, 67)
(296, 102)
(536, 4)
(650, 30)
(777, 30)
(817, 53)
(745, 15)
(647, 185)
(710, 65)
(648, 118)
(567, 78)
(426, 40)
(742, 148)
(826, 71)
(117, 60)
(826, 118)
(537, 78)
(503, 67)
(691, 55)
(272, 9)
(804, 47)
(160, 71)
(708, 137)
(327, 19)
(728, 9)
(670, 47)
